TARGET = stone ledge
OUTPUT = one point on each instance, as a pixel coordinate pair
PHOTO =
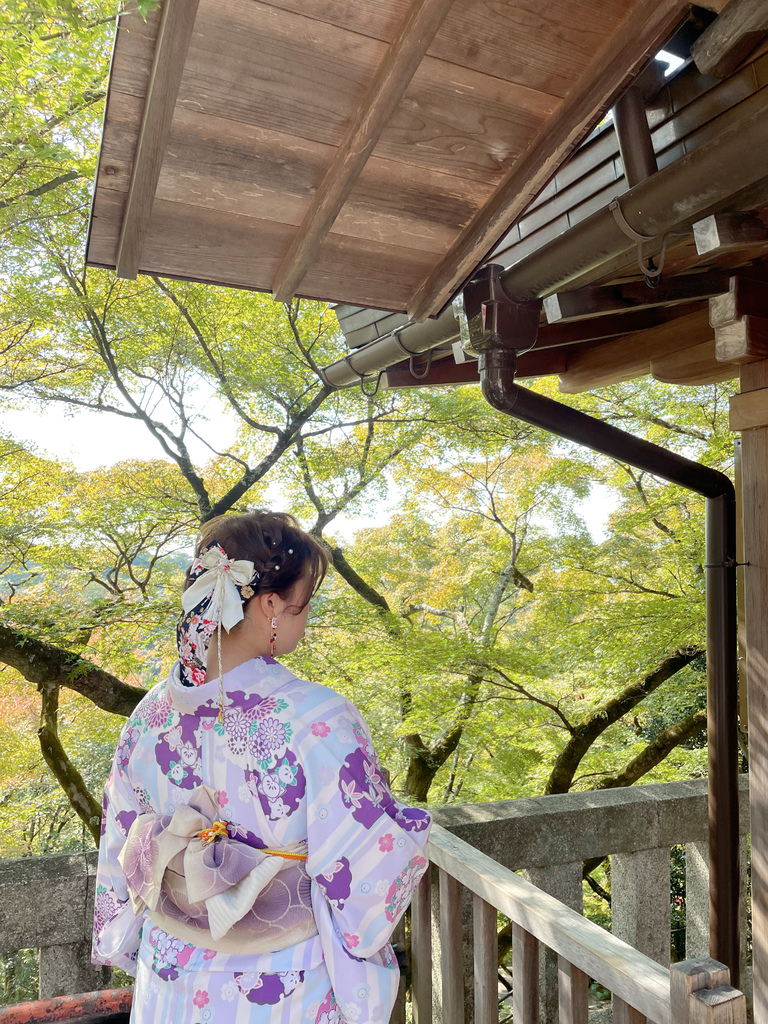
(558, 829)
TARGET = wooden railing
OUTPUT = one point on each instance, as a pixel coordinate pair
(689, 993)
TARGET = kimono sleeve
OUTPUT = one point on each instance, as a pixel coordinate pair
(365, 850)
(116, 929)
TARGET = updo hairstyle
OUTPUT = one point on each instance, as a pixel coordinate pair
(281, 552)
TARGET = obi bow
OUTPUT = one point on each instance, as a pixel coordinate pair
(189, 858)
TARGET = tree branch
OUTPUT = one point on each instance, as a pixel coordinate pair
(656, 751)
(68, 777)
(585, 734)
(33, 193)
(46, 664)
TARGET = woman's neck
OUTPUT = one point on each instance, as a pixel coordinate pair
(234, 651)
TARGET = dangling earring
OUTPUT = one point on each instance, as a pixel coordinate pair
(273, 638)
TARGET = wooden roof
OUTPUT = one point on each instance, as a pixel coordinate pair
(370, 152)
(709, 314)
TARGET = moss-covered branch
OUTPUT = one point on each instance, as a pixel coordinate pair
(46, 664)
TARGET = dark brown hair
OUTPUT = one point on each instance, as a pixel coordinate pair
(282, 553)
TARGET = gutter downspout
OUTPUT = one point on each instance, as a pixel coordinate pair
(497, 368)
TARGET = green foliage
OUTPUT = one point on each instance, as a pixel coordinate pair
(19, 976)
(485, 620)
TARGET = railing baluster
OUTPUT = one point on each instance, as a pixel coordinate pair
(572, 993)
(398, 1010)
(421, 951)
(450, 949)
(486, 959)
(525, 976)
(623, 1013)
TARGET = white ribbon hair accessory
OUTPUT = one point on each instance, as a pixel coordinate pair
(219, 583)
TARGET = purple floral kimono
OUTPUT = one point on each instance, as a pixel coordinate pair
(291, 764)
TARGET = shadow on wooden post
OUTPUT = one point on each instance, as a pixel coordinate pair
(700, 993)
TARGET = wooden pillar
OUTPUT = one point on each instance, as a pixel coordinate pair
(754, 444)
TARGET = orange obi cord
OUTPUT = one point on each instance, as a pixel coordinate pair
(218, 828)
(286, 854)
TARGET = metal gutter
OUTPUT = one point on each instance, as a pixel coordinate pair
(669, 199)
(497, 368)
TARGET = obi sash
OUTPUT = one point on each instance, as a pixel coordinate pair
(215, 892)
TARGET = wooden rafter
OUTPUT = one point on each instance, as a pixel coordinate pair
(173, 39)
(387, 88)
(636, 41)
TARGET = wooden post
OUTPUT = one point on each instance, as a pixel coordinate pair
(525, 976)
(692, 976)
(398, 1010)
(573, 1002)
(486, 961)
(754, 449)
(450, 949)
(724, 1005)
(421, 951)
(623, 1013)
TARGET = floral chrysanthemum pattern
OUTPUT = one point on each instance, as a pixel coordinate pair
(294, 757)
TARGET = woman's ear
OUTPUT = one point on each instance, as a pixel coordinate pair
(271, 604)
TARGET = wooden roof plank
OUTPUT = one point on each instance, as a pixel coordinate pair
(638, 36)
(196, 244)
(387, 88)
(173, 39)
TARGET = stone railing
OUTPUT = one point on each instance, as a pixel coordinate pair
(46, 902)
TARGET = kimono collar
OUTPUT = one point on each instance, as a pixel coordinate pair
(258, 674)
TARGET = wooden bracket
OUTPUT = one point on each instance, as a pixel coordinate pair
(749, 409)
(746, 295)
(744, 341)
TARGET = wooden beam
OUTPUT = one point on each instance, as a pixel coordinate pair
(730, 38)
(694, 365)
(387, 88)
(176, 23)
(631, 355)
(609, 326)
(591, 301)
(747, 295)
(728, 232)
(445, 372)
(749, 409)
(637, 38)
(744, 341)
